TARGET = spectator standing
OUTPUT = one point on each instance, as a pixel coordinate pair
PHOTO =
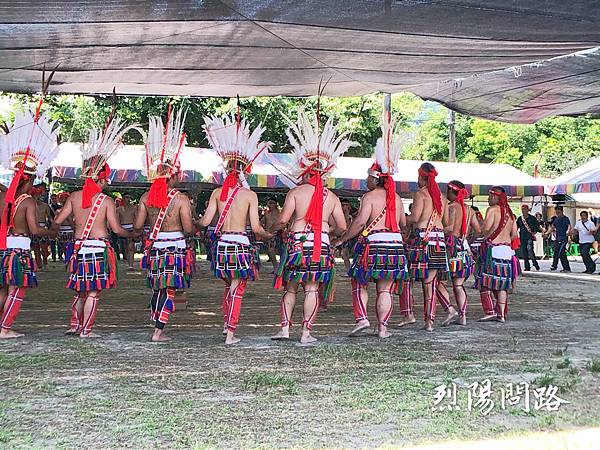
(585, 230)
(528, 227)
(561, 227)
(538, 246)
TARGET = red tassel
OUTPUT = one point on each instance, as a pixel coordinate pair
(157, 197)
(230, 182)
(9, 200)
(314, 214)
(391, 221)
(90, 188)
(433, 189)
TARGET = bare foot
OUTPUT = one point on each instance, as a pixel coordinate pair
(307, 339)
(225, 330)
(90, 335)
(10, 334)
(460, 320)
(160, 338)
(283, 335)
(231, 339)
(500, 319)
(408, 321)
(322, 309)
(452, 315)
(488, 318)
(360, 326)
(428, 325)
(383, 333)
(72, 331)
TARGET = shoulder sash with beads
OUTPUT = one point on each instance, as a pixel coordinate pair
(20, 199)
(226, 209)
(92, 217)
(161, 215)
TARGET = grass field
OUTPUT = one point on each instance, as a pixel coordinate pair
(193, 392)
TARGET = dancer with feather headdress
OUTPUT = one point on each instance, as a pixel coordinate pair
(308, 259)
(234, 259)
(167, 258)
(28, 149)
(379, 253)
(92, 264)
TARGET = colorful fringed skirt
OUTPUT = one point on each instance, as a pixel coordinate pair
(428, 253)
(255, 246)
(379, 256)
(460, 258)
(296, 263)
(92, 266)
(66, 234)
(501, 267)
(17, 266)
(234, 257)
(168, 262)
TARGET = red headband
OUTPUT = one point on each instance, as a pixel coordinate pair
(503, 203)
(432, 188)
(314, 214)
(461, 194)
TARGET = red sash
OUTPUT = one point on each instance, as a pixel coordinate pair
(526, 225)
(16, 205)
(90, 220)
(161, 218)
(226, 209)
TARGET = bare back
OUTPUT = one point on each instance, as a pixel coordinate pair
(42, 212)
(126, 214)
(25, 214)
(375, 202)
(301, 197)
(173, 218)
(422, 210)
(492, 222)
(239, 211)
(80, 215)
(271, 219)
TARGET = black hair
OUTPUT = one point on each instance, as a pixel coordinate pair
(475, 208)
(559, 208)
(427, 167)
(499, 188)
(457, 183)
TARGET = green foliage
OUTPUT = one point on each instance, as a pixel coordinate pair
(555, 145)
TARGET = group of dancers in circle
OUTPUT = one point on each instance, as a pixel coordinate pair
(444, 242)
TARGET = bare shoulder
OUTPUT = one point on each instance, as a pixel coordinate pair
(29, 202)
(419, 194)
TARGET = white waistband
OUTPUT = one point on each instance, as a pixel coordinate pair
(128, 226)
(438, 234)
(239, 238)
(171, 239)
(502, 252)
(386, 237)
(91, 246)
(310, 238)
(22, 242)
(65, 229)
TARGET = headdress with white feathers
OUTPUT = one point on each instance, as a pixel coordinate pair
(164, 145)
(30, 143)
(314, 149)
(388, 148)
(231, 139)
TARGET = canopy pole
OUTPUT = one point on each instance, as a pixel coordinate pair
(452, 136)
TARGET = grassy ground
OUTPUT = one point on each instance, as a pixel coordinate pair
(123, 391)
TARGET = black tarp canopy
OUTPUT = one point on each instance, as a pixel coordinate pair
(455, 52)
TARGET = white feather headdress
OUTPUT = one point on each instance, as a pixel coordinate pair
(313, 148)
(388, 148)
(232, 140)
(101, 145)
(30, 144)
(164, 145)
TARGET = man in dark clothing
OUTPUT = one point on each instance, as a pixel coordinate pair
(561, 226)
(528, 225)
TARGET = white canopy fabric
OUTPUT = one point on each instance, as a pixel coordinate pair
(453, 51)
